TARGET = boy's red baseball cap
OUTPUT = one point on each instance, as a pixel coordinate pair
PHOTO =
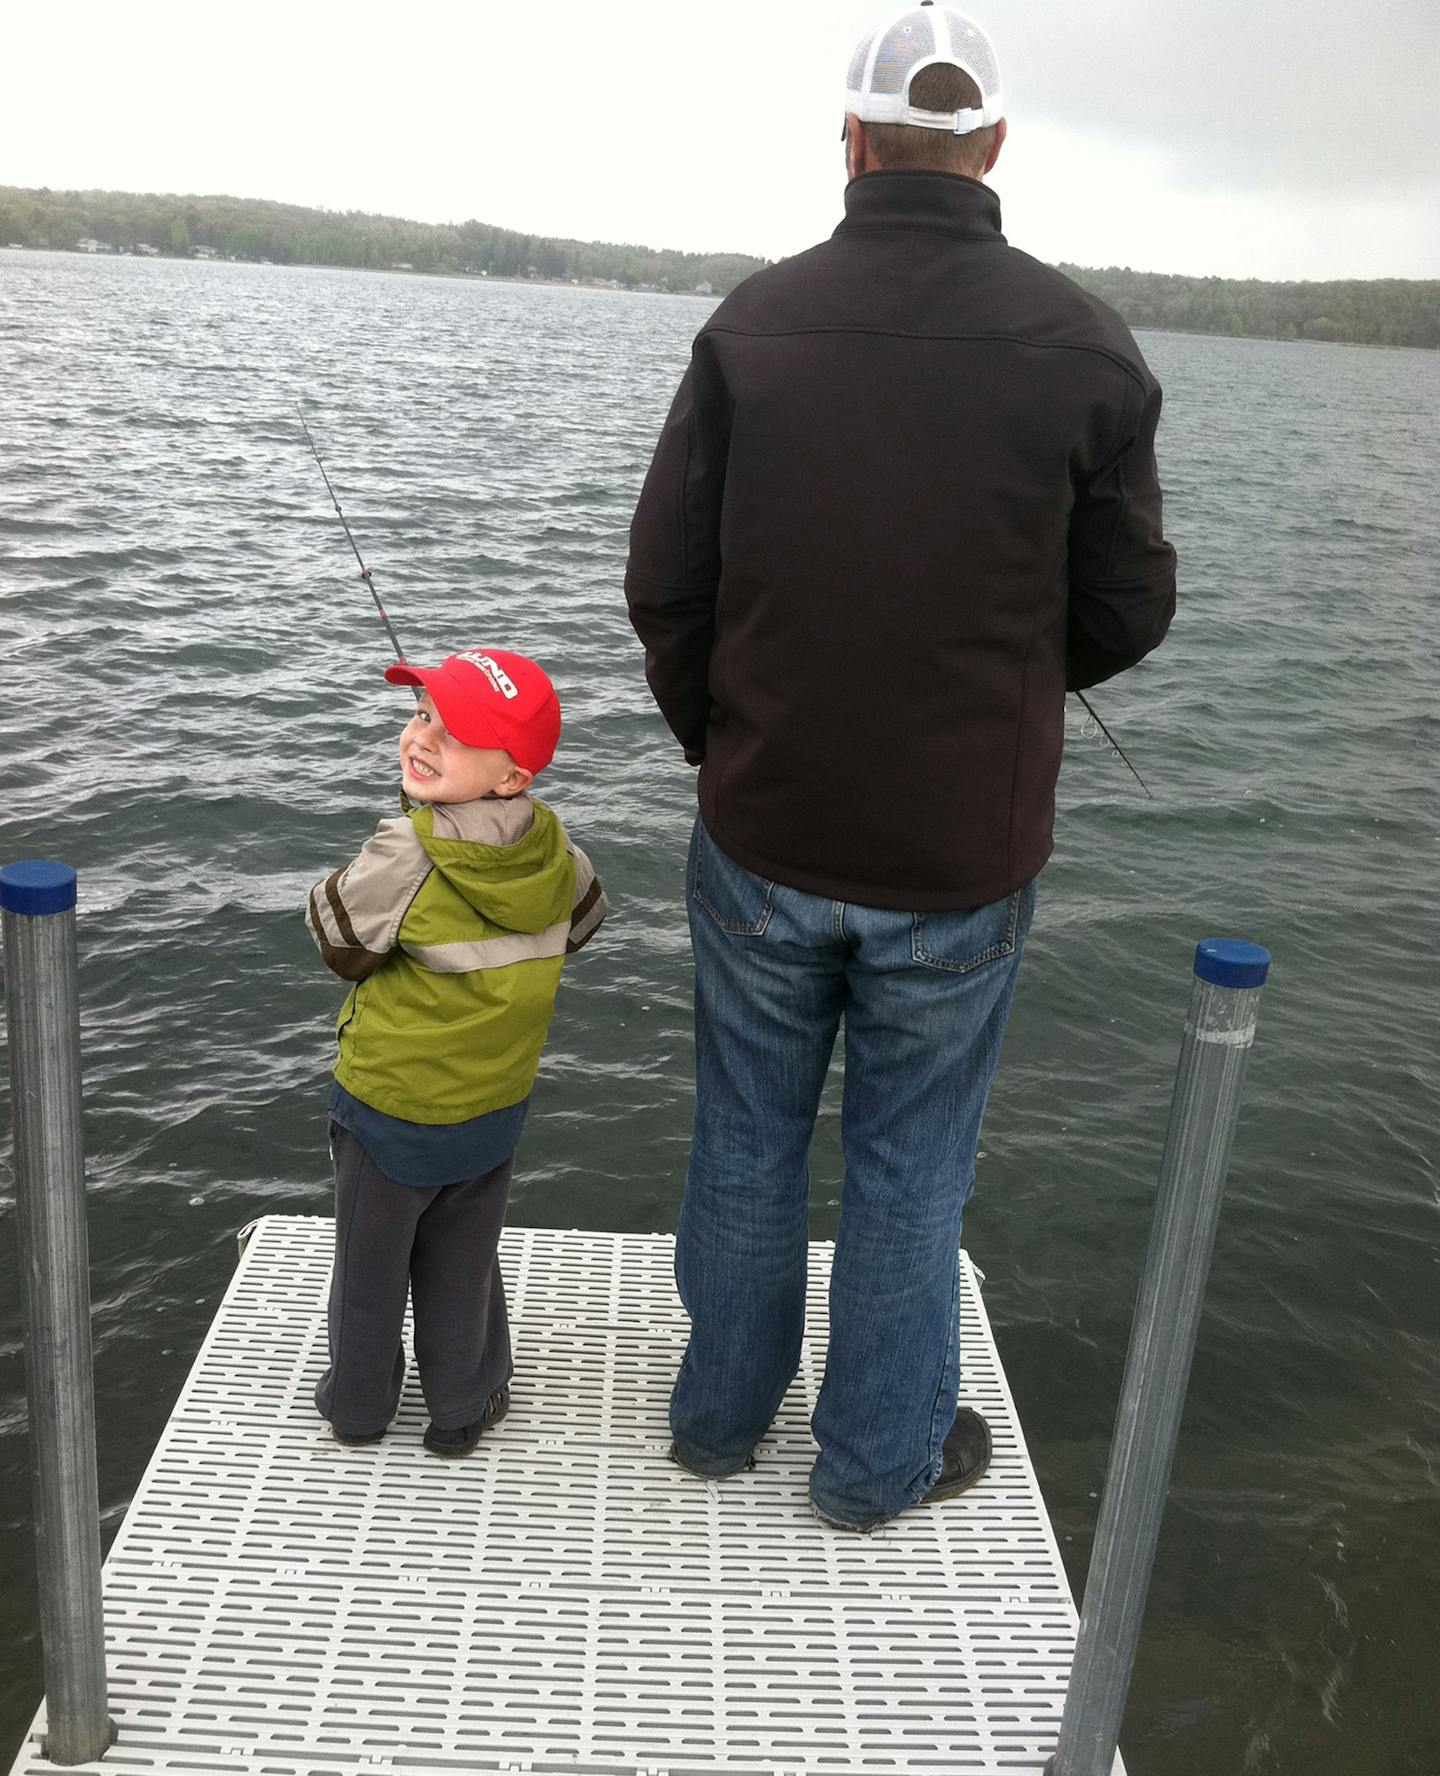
(491, 698)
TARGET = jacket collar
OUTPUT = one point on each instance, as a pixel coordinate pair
(922, 200)
(489, 820)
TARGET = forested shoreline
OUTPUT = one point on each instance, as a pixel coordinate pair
(1349, 311)
(1355, 311)
(289, 234)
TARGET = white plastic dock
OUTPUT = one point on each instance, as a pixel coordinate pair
(564, 1599)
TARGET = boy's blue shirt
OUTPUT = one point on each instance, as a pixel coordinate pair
(425, 1155)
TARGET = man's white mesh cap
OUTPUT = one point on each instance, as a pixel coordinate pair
(889, 57)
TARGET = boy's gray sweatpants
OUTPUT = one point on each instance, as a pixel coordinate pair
(439, 1245)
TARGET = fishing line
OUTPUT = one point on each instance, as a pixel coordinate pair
(365, 573)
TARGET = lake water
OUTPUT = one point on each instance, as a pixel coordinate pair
(192, 716)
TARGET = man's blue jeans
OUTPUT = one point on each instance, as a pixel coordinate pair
(924, 998)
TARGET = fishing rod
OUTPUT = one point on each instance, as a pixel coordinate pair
(1119, 750)
(365, 573)
(369, 580)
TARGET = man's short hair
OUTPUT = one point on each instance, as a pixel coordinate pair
(907, 148)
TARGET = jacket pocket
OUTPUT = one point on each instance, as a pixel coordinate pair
(350, 1010)
(966, 940)
(736, 900)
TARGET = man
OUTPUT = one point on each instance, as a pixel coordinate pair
(905, 497)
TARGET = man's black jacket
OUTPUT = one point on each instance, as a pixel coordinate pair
(905, 496)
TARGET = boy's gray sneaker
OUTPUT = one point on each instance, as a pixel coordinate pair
(353, 1439)
(463, 1438)
(964, 1459)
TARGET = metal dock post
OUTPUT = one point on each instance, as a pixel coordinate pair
(37, 906)
(1219, 1030)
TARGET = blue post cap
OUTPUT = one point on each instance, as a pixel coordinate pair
(37, 888)
(1231, 962)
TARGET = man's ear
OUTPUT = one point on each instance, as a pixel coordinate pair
(857, 150)
(517, 779)
(995, 147)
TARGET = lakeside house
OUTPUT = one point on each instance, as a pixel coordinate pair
(149, 252)
(93, 246)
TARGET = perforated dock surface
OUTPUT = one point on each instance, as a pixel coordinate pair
(564, 1599)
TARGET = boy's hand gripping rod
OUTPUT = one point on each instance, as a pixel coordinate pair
(364, 571)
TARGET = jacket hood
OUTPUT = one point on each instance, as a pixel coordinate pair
(506, 856)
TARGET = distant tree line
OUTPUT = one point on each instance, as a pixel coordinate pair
(1368, 311)
(1378, 311)
(287, 234)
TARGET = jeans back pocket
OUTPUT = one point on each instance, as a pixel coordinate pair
(735, 898)
(968, 939)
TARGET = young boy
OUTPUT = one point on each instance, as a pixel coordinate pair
(454, 923)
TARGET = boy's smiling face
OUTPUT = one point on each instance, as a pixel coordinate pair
(436, 767)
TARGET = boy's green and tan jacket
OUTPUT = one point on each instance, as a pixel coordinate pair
(454, 923)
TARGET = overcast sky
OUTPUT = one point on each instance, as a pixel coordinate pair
(1262, 138)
